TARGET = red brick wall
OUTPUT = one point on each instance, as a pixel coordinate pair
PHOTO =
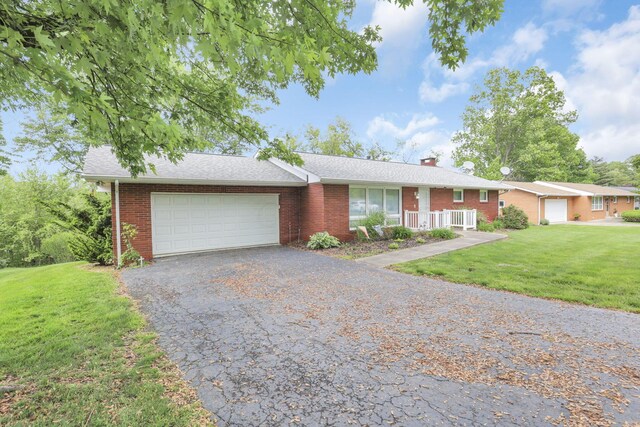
(135, 208)
(325, 207)
(442, 198)
(336, 211)
(311, 210)
(409, 201)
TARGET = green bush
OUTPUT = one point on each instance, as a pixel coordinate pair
(443, 233)
(486, 226)
(420, 240)
(375, 218)
(323, 240)
(402, 232)
(544, 221)
(131, 256)
(90, 225)
(498, 224)
(56, 247)
(631, 216)
(514, 218)
(394, 246)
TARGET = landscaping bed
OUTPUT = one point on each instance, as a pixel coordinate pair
(360, 249)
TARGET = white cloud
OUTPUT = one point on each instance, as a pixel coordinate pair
(614, 142)
(525, 42)
(402, 31)
(424, 144)
(563, 85)
(381, 126)
(421, 135)
(604, 86)
(429, 93)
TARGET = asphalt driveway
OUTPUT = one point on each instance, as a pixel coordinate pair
(273, 336)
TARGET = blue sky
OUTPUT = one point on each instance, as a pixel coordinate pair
(590, 47)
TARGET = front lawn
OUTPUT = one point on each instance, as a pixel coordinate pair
(587, 264)
(79, 354)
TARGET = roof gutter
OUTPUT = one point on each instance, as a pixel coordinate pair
(410, 184)
(118, 237)
(180, 181)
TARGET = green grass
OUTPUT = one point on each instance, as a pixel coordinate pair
(82, 354)
(585, 264)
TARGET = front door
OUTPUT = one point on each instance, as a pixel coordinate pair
(606, 206)
(424, 202)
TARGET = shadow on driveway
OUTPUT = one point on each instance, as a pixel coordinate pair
(274, 335)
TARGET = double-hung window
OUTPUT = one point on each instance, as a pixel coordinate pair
(596, 203)
(364, 201)
(458, 195)
(484, 196)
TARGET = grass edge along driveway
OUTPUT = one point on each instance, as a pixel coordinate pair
(596, 266)
(82, 355)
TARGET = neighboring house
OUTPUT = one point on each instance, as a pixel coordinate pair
(208, 202)
(635, 190)
(562, 201)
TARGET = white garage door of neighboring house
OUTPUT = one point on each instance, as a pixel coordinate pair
(199, 222)
(555, 210)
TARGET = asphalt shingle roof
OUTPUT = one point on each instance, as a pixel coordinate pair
(598, 190)
(101, 165)
(352, 170)
(540, 189)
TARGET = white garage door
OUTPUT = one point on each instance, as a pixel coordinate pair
(199, 222)
(555, 210)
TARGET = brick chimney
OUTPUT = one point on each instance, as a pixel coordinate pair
(429, 161)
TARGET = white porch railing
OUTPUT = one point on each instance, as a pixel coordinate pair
(424, 220)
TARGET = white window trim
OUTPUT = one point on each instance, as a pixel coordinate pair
(599, 206)
(628, 199)
(397, 216)
(486, 200)
(501, 204)
(461, 190)
(615, 200)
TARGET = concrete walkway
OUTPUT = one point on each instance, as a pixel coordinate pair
(467, 239)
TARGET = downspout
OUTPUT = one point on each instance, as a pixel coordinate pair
(118, 237)
(539, 201)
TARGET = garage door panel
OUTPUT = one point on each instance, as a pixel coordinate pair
(555, 210)
(196, 222)
(164, 202)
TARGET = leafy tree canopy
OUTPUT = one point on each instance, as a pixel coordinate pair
(5, 161)
(25, 223)
(165, 77)
(340, 140)
(519, 120)
(52, 136)
(616, 174)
